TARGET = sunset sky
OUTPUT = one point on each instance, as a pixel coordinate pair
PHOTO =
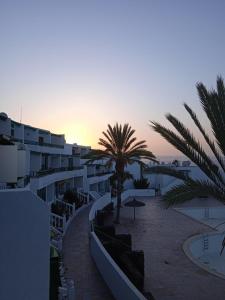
(75, 66)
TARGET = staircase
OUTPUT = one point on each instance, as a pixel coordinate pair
(94, 195)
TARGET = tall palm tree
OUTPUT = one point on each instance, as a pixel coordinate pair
(120, 147)
(212, 164)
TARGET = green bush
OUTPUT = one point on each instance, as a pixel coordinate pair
(54, 278)
(70, 196)
(141, 183)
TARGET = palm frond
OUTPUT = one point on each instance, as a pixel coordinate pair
(190, 189)
(206, 137)
(182, 145)
(195, 145)
(95, 155)
(214, 106)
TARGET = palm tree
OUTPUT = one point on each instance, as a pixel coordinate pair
(212, 164)
(120, 147)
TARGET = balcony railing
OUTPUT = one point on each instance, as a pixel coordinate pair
(37, 143)
(54, 170)
(99, 174)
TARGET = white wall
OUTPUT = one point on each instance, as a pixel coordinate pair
(134, 170)
(64, 162)
(97, 179)
(18, 131)
(35, 161)
(50, 192)
(30, 134)
(23, 168)
(55, 161)
(5, 127)
(165, 180)
(117, 281)
(195, 173)
(57, 139)
(76, 161)
(43, 181)
(45, 135)
(9, 163)
(24, 251)
(119, 284)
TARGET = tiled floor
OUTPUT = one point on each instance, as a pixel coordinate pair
(160, 232)
(169, 274)
(80, 266)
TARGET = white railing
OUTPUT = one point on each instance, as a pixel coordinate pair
(70, 207)
(94, 195)
(83, 197)
(58, 222)
(137, 193)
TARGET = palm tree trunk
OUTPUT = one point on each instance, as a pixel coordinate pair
(119, 191)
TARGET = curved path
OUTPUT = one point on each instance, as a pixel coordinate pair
(78, 263)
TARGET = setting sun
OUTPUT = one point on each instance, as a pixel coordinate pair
(79, 133)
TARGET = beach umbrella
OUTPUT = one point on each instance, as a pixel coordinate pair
(134, 203)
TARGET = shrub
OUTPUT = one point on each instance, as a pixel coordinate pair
(141, 183)
(69, 196)
(60, 209)
(57, 209)
(54, 278)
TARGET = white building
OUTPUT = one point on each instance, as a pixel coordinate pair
(37, 164)
(44, 163)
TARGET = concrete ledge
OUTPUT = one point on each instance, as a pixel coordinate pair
(119, 284)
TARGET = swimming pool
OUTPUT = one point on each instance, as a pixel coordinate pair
(204, 250)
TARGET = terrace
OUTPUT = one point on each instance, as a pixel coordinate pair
(160, 233)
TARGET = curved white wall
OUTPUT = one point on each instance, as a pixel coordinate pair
(119, 284)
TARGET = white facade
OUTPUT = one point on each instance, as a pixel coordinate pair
(44, 160)
(36, 165)
(24, 251)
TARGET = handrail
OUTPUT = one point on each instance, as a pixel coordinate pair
(99, 174)
(54, 170)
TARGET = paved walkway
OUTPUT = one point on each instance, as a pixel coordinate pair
(169, 274)
(78, 263)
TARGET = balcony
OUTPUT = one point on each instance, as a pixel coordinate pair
(30, 142)
(54, 170)
(44, 178)
(99, 174)
(96, 178)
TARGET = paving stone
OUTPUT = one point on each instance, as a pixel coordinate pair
(161, 233)
(89, 284)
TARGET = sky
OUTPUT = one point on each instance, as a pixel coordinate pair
(76, 66)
